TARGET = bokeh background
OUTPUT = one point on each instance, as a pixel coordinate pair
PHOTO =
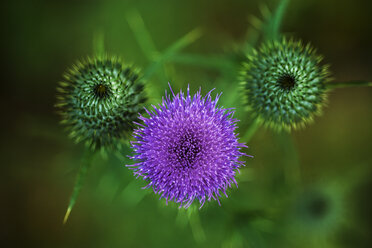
(308, 189)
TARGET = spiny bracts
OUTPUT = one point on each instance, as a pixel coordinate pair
(284, 84)
(99, 99)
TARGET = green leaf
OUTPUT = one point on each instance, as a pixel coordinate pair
(172, 50)
(274, 21)
(86, 163)
(211, 61)
(141, 33)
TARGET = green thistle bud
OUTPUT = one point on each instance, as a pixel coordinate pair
(99, 100)
(284, 84)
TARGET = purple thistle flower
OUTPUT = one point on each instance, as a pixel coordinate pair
(187, 149)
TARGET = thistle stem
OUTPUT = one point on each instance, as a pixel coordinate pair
(86, 163)
(98, 43)
(292, 169)
(335, 85)
(252, 129)
(196, 227)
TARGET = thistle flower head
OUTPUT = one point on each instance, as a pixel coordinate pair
(284, 83)
(187, 148)
(99, 99)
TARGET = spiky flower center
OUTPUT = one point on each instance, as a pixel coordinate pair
(185, 150)
(284, 84)
(99, 101)
(287, 81)
(101, 90)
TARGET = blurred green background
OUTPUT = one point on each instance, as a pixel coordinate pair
(327, 164)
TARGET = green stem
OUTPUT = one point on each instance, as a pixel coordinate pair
(195, 224)
(252, 129)
(292, 168)
(86, 163)
(335, 85)
(182, 218)
(98, 43)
